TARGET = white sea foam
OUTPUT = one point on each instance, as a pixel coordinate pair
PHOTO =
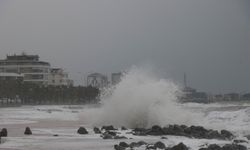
(142, 100)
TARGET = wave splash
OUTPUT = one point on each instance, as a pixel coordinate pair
(142, 100)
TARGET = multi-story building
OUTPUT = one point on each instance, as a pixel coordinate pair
(32, 69)
(58, 77)
(97, 80)
(11, 77)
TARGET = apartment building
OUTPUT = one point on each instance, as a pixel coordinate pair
(29, 66)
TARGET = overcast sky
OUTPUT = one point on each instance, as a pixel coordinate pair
(207, 39)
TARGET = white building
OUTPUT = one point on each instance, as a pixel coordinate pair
(58, 77)
(29, 66)
(97, 80)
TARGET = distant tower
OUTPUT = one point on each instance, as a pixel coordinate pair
(185, 80)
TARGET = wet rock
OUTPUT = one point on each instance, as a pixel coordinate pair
(248, 137)
(117, 147)
(141, 143)
(120, 137)
(164, 137)
(140, 131)
(111, 133)
(123, 128)
(180, 146)
(27, 131)
(159, 145)
(107, 136)
(4, 132)
(239, 141)
(225, 147)
(155, 130)
(97, 130)
(55, 135)
(82, 130)
(214, 147)
(134, 144)
(226, 134)
(110, 127)
(213, 134)
(233, 147)
(123, 144)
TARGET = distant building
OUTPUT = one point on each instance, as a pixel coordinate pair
(116, 78)
(245, 96)
(232, 97)
(191, 95)
(58, 77)
(29, 66)
(11, 77)
(97, 80)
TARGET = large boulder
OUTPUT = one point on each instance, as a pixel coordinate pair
(97, 130)
(227, 135)
(110, 127)
(27, 131)
(4, 132)
(107, 136)
(155, 130)
(123, 144)
(117, 147)
(82, 130)
(180, 146)
(159, 145)
(233, 147)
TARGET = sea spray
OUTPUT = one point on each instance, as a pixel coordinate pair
(140, 100)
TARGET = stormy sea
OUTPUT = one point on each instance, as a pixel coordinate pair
(141, 112)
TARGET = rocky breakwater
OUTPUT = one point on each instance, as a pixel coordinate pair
(183, 130)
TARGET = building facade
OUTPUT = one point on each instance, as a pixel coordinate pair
(58, 77)
(97, 80)
(29, 66)
(11, 77)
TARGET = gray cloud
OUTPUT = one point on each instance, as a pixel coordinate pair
(209, 40)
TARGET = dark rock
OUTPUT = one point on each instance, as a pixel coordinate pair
(123, 128)
(164, 137)
(226, 134)
(233, 147)
(117, 147)
(134, 144)
(108, 128)
(97, 130)
(140, 132)
(180, 146)
(155, 130)
(239, 141)
(82, 130)
(27, 131)
(123, 144)
(214, 147)
(111, 133)
(248, 137)
(141, 143)
(159, 145)
(213, 134)
(4, 132)
(120, 137)
(107, 136)
(55, 135)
